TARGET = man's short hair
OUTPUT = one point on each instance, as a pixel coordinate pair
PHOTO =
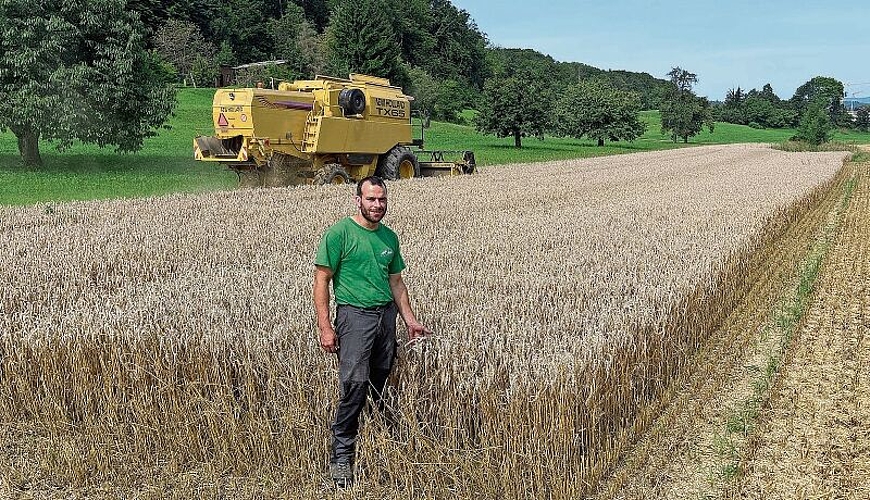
(374, 180)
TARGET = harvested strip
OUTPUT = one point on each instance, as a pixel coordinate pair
(814, 441)
(691, 449)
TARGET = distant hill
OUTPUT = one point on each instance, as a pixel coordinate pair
(562, 74)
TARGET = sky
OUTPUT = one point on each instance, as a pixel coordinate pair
(726, 43)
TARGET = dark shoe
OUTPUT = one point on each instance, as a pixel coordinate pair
(342, 474)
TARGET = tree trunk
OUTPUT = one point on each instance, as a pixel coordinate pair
(685, 139)
(28, 146)
(600, 142)
(518, 139)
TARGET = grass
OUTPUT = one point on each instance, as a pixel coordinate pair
(491, 150)
(835, 145)
(165, 163)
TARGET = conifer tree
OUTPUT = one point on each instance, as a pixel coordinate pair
(361, 39)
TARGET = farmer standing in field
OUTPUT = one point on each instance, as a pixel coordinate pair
(361, 257)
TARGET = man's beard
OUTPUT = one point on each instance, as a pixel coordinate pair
(374, 219)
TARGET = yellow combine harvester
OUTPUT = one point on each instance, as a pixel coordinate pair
(322, 131)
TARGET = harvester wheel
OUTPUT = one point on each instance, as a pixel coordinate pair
(331, 174)
(398, 163)
(470, 163)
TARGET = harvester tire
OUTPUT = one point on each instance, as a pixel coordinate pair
(398, 163)
(331, 174)
(352, 101)
(470, 163)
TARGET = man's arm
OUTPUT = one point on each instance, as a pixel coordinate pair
(400, 296)
(322, 277)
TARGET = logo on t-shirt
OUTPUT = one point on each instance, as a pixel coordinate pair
(387, 252)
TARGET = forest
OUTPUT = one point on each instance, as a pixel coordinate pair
(429, 47)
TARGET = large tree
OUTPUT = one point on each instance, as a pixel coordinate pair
(732, 110)
(424, 89)
(769, 95)
(862, 119)
(361, 38)
(411, 21)
(734, 98)
(594, 109)
(244, 24)
(181, 44)
(460, 47)
(684, 114)
(296, 41)
(514, 106)
(78, 71)
(829, 91)
(316, 11)
(815, 126)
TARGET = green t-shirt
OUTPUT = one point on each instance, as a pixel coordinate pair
(361, 261)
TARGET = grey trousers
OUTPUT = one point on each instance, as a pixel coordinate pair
(366, 354)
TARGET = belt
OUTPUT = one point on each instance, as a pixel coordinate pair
(379, 308)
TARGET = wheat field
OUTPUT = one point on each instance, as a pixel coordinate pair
(153, 345)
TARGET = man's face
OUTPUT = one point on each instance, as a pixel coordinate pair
(373, 202)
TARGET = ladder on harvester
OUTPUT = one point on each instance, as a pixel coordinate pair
(312, 127)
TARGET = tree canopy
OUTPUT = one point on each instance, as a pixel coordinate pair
(560, 75)
(760, 109)
(594, 109)
(78, 71)
(361, 39)
(829, 91)
(514, 105)
(862, 119)
(431, 48)
(815, 126)
(181, 44)
(297, 42)
(432, 36)
(684, 114)
(763, 108)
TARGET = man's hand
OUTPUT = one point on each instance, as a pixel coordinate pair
(328, 339)
(416, 330)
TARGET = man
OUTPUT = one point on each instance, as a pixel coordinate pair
(361, 257)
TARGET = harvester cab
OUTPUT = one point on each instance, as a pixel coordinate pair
(322, 131)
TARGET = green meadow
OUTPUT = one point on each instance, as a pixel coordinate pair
(165, 164)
